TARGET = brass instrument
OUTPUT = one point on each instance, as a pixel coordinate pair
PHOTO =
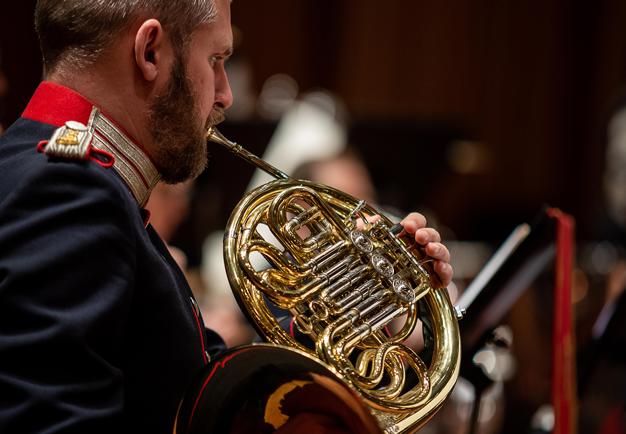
(343, 275)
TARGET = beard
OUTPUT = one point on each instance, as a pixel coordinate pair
(177, 130)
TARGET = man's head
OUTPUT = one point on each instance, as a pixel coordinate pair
(77, 31)
(156, 66)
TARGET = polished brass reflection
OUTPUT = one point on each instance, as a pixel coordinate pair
(317, 253)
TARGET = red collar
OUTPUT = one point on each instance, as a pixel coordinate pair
(55, 104)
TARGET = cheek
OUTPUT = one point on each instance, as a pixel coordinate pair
(205, 92)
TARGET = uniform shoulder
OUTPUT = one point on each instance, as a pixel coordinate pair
(25, 170)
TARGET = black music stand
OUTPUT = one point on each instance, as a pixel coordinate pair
(528, 250)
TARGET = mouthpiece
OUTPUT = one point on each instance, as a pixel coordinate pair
(213, 135)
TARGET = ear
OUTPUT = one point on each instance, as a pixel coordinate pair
(149, 48)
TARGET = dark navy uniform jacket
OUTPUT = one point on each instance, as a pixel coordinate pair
(99, 332)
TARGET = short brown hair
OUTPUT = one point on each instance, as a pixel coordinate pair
(78, 30)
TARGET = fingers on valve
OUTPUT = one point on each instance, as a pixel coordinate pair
(438, 251)
(427, 235)
(413, 222)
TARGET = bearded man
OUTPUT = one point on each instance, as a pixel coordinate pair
(99, 331)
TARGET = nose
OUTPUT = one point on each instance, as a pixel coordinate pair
(223, 92)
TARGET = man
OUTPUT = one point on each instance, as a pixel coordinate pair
(99, 331)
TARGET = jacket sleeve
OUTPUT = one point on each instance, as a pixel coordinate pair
(66, 276)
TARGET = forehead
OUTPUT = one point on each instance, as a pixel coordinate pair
(217, 34)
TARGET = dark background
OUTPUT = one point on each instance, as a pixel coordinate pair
(529, 83)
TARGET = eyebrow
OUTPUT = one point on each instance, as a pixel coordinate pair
(227, 52)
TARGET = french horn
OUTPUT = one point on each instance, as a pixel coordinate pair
(322, 275)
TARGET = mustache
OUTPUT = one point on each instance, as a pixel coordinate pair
(216, 116)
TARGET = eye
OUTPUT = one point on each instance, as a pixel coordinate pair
(220, 58)
(213, 60)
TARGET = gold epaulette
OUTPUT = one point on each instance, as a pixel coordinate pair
(71, 141)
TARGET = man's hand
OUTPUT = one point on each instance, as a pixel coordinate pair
(415, 225)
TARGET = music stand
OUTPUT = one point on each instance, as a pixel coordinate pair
(528, 251)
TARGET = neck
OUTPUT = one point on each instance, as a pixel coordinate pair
(116, 93)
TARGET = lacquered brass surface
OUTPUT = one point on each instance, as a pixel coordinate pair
(320, 256)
